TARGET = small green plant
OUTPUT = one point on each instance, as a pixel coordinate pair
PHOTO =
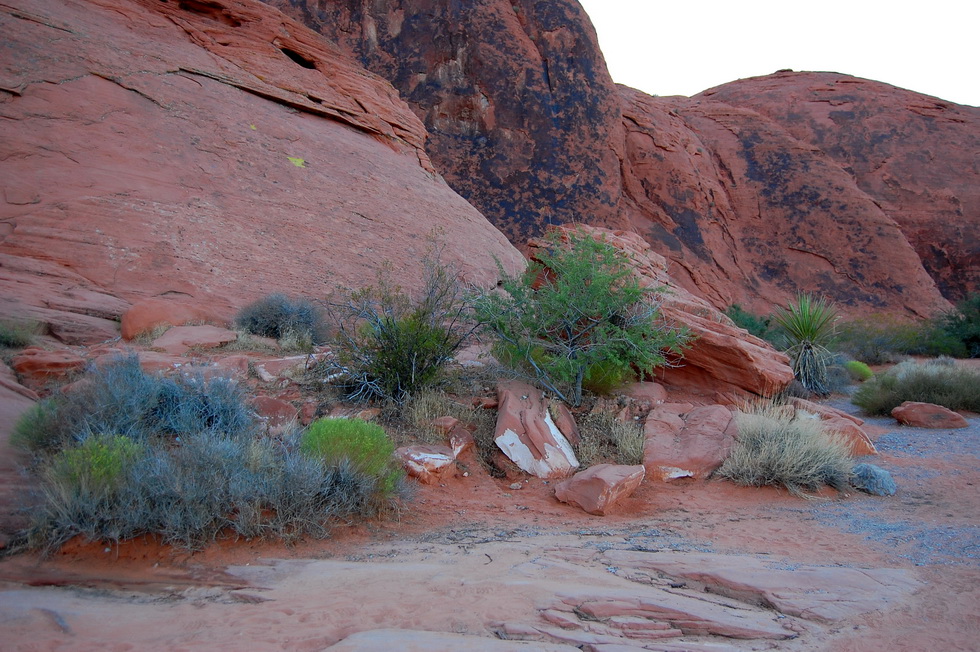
(364, 446)
(963, 325)
(391, 343)
(858, 370)
(603, 437)
(774, 447)
(952, 386)
(299, 321)
(97, 466)
(17, 334)
(578, 307)
(809, 327)
(760, 326)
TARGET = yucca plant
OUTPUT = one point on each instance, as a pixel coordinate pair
(809, 326)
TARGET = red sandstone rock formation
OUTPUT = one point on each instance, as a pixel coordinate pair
(210, 152)
(914, 155)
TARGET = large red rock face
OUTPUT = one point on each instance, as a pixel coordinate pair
(523, 116)
(216, 151)
(917, 156)
(751, 215)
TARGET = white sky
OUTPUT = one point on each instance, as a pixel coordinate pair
(682, 47)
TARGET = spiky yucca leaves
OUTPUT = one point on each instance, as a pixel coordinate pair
(809, 326)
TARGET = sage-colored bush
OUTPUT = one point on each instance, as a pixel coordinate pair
(950, 385)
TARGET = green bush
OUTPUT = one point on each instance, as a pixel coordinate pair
(283, 318)
(962, 325)
(774, 448)
(605, 438)
(364, 446)
(757, 325)
(858, 370)
(577, 308)
(808, 324)
(17, 334)
(118, 398)
(880, 339)
(952, 386)
(390, 343)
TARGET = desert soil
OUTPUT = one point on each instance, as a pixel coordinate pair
(476, 557)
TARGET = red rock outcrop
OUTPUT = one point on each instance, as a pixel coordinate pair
(212, 152)
(914, 155)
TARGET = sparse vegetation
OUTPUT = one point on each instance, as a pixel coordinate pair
(760, 326)
(880, 339)
(775, 448)
(581, 307)
(298, 322)
(963, 325)
(363, 446)
(939, 382)
(809, 326)
(16, 334)
(605, 438)
(391, 343)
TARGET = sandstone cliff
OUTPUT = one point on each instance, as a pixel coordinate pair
(747, 205)
(210, 151)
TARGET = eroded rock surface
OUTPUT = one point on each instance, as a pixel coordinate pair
(599, 488)
(528, 435)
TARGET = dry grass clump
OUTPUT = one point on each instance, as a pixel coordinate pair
(940, 381)
(776, 448)
(423, 408)
(605, 438)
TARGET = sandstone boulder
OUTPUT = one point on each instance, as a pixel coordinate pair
(38, 366)
(928, 415)
(181, 339)
(848, 426)
(692, 447)
(429, 464)
(527, 433)
(599, 488)
(148, 314)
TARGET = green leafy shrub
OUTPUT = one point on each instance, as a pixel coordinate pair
(774, 448)
(118, 398)
(809, 326)
(760, 326)
(278, 316)
(952, 386)
(578, 307)
(17, 334)
(963, 325)
(364, 446)
(390, 343)
(605, 438)
(858, 370)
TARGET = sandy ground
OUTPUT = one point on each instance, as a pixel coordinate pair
(476, 557)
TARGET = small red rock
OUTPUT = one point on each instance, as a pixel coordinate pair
(599, 488)
(429, 464)
(928, 415)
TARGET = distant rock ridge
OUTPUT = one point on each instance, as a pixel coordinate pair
(753, 191)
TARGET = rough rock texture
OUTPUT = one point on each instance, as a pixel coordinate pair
(599, 488)
(429, 464)
(205, 152)
(914, 155)
(722, 358)
(149, 314)
(928, 415)
(528, 126)
(692, 447)
(527, 434)
(873, 480)
(822, 594)
(523, 115)
(180, 339)
(848, 426)
(38, 366)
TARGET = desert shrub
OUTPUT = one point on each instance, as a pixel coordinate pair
(963, 325)
(858, 370)
(808, 324)
(880, 339)
(604, 377)
(952, 386)
(605, 438)
(391, 343)
(362, 445)
(760, 326)
(17, 334)
(118, 398)
(577, 307)
(281, 317)
(774, 448)
(423, 408)
(190, 493)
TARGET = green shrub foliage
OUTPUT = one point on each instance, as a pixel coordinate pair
(391, 343)
(950, 385)
(963, 325)
(760, 326)
(579, 308)
(363, 446)
(281, 317)
(858, 370)
(808, 324)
